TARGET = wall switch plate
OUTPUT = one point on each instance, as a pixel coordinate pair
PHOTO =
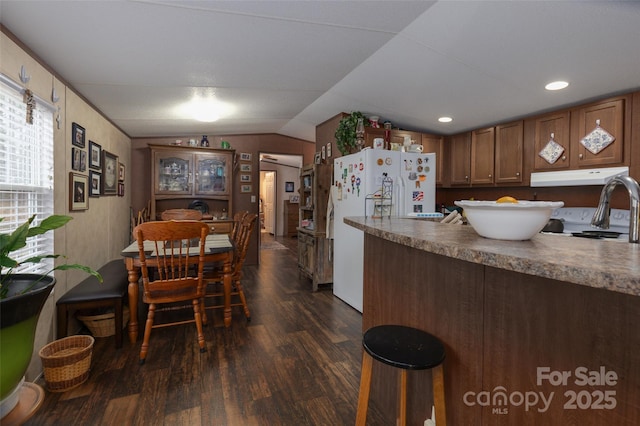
(253, 198)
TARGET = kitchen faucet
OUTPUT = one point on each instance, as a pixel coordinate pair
(601, 216)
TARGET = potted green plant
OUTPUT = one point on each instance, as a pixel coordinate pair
(22, 297)
(346, 132)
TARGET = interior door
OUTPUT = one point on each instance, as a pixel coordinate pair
(269, 201)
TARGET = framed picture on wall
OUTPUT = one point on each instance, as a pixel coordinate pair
(288, 187)
(120, 172)
(77, 135)
(245, 168)
(110, 173)
(245, 156)
(120, 189)
(83, 160)
(245, 178)
(95, 156)
(245, 188)
(78, 192)
(95, 180)
(76, 154)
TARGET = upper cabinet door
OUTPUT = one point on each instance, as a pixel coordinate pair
(482, 156)
(610, 115)
(509, 153)
(212, 174)
(552, 127)
(460, 158)
(172, 173)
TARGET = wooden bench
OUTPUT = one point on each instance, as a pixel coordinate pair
(91, 293)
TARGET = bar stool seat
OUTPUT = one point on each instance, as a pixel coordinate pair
(405, 348)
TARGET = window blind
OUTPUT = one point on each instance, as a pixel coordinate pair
(26, 171)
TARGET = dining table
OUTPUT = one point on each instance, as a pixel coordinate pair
(218, 249)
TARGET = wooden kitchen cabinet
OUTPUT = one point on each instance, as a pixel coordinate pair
(315, 258)
(181, 175)
(571, 125)
(460, 159)
(611, 114)
(509, 147)
(495, 156)
(557, 125)
(434, 143)
(397, 136)
(482, 156)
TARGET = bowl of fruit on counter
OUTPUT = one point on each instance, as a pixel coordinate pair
(508, 218)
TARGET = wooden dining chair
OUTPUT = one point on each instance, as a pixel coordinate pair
(181, 214)
(237, 223)
(175, 251)
(214, 277)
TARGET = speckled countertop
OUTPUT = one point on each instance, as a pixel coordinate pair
(611, 265)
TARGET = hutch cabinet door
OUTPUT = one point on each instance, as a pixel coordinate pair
(212, 174)
(172, 173)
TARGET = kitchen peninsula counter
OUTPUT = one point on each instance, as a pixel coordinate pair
(514, 317)
(612, 265)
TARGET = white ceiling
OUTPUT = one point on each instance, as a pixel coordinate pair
(287, 66)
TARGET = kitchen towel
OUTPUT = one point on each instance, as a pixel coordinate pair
(598, 139)
(551, 151)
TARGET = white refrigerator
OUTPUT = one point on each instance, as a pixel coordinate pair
(374, 183)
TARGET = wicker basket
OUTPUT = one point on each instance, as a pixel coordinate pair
(104, 325)
(67, 362)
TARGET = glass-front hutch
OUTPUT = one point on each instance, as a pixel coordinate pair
(184, 176)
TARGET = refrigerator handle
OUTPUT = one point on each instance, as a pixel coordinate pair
(401, 193)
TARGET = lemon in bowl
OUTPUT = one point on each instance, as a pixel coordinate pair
(509, 219)
(506, 199)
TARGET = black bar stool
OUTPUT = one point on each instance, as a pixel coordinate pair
(408, 349)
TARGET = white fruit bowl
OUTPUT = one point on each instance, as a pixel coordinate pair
(508, 221)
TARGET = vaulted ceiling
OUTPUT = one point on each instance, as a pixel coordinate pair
(287, 66)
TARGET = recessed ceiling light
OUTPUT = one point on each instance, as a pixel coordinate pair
(556, 85)
(445, 119)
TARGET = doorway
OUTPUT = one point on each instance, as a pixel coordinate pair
(281, 186)
(267, 201)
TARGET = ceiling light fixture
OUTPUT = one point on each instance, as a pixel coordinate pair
(556, 85)
(205, 109)
(445, 119)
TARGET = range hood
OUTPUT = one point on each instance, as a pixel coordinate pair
(577, 177)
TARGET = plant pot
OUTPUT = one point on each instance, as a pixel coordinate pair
(19, 315)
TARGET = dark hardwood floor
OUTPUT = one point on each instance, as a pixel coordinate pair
(296, 363)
